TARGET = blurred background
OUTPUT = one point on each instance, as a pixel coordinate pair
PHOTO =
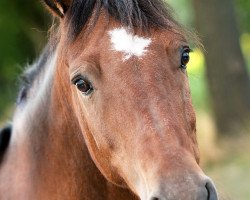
(218, 74)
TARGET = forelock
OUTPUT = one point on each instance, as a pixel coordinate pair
(140, 14)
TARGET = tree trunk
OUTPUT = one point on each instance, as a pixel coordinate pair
(226, 71)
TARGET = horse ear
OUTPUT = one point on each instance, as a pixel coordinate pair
(58, 7)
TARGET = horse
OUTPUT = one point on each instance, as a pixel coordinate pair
(105, 112)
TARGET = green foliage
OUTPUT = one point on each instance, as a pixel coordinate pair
(231, 170)
(243, 12)
(183, 11)
(19, 42)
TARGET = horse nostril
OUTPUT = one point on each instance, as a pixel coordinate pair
(155, 198)
(211, 191)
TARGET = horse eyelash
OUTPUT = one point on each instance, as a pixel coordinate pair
(25, 80)
(22, 95)
(187, 48)
(24, 85)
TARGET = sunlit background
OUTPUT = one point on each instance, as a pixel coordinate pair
(224, 157)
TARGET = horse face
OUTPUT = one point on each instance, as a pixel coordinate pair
(131, 96)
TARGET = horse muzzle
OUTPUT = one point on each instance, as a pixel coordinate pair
(186, 190)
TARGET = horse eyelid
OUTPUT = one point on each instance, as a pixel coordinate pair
(75, 78)
(186, 49)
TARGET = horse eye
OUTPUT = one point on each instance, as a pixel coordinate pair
(83, 85)
(22, 95)
(185, 58)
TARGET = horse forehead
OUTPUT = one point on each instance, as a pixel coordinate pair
(129, 44)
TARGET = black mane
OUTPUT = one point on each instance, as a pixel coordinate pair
(142, 14)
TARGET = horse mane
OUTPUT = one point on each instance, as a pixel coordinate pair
(142, 14)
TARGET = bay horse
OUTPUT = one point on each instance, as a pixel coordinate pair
(105, 113)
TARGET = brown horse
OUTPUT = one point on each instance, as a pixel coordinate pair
(106, 112)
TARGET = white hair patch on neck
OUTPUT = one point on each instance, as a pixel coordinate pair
(130, 45)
